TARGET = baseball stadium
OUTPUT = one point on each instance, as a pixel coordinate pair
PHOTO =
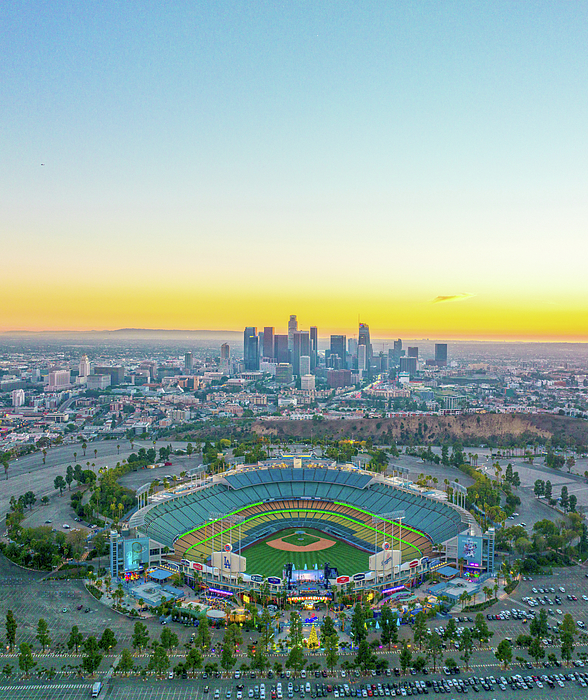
(256, 522)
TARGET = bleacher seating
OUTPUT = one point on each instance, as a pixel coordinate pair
(309, 496)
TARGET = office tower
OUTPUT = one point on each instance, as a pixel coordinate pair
(364, 339)
(292, 328)
(59, 379)
(268, 342)
(441, 354)
(313, 348)
(225, 358)
(301, 346)
(408, 364)
(18, 397)
(117, 374)
(189, 362)
(281, 353)
(338, 377)
(307, 382)
(413, 352)
(352, 347)
(304, 365)
(362, 358)
(260, 344)
(250, 349)
(84, 369)
(383, 362)
(339, 348)
(397, 352)
(284, 373)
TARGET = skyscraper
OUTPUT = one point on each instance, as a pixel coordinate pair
(292, 328)
(408, 364)
(281, 353)
(250, 348)
(301, 346)
(189, 362)
(339, 348)
(304, 365)
(413, 352)
(84, 368)
(397, 354)
(441, 354)
(313, 347)
(362, 363)
(364, 340)
(225, 358)
(268, 342)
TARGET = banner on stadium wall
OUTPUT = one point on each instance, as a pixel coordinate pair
(359, 577)
(413, 564)
(197, 566)
(274, 580)
(256, 578)
(343, 579)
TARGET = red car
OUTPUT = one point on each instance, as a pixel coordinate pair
(168, 464)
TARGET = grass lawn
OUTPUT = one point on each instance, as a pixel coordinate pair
(267, 561)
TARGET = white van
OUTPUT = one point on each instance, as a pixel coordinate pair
(96, 688)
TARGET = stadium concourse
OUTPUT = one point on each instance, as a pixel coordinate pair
(224, 529)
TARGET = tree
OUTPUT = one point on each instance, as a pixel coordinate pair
(570, 463)
(168, 640)
(504, 653)
(140, 638)
(516, 480)
(43, 634)
(450, 632)
(126, 663)
(7, 671)
(69, 476)
(203, 636)
(75, 639)
(539, 624)
(536, 650)
(358, 629)
(564, 499)
(267, 629)
(539, 488)
(158, 661)
(11, 627)
(419, 664)
(194, 659)
(59, 484)
(420, 630)
(404, 657)
(228, 654)
(434, 648)
(567, 633)
(25, 658)
(365, 658)
(466, 645)
(92, 657)
(573, 502)
(296, 660)
(108, 640)
(388, 627)
(548, 490)
(295, 637)
(330, 643)
(480, 630)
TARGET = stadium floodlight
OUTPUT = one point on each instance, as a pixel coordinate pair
(388, 517)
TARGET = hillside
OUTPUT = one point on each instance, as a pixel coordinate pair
(493, 428)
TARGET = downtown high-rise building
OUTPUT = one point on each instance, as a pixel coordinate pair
(189, 362)
(84, 367)
(313, 348)
(292, 328)
(225, 358)
(250, 348)
(268, 342)
(300, 347)
(281, 352)
(441, 354)
(366, 355)
(338, 349)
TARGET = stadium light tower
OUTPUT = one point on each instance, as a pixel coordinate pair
(395, 515)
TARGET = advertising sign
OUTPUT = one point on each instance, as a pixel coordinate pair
(136, 553)
(197, 566)
(256, 578)
(413, 564)
(274, 580)
(359, 577)
(343, 579)
(470, 548)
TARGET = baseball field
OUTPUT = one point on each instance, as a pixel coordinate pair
(303, 547)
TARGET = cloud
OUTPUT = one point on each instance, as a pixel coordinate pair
(452, 297)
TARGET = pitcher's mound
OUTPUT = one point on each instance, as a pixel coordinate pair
(317, 546)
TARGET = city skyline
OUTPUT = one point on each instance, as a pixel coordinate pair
(422, 167)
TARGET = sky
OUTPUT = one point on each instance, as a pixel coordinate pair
(422, 166)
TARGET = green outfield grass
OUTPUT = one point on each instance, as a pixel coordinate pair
(267, 561)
